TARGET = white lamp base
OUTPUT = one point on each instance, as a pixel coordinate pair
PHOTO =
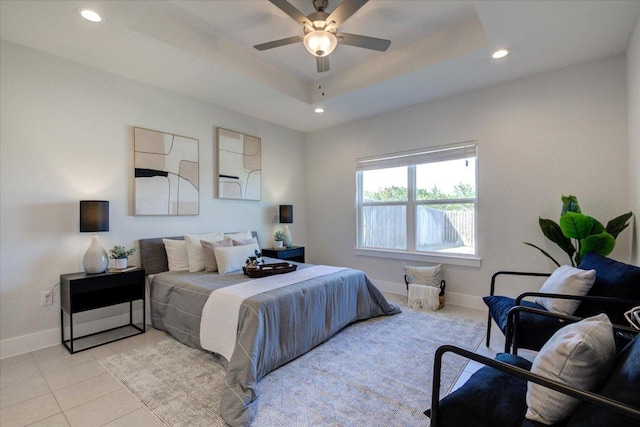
(95, 259)
(287, 236)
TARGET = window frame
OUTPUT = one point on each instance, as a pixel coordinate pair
(411, 159)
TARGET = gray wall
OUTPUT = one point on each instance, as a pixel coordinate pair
(560, 132)
(633, 84)
(66, 135)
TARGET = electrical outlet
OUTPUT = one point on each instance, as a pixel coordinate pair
(46, 298)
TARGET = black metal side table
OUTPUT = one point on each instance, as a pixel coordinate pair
(293, 253)
(81, 292)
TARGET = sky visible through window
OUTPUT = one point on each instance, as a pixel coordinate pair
(445, 175)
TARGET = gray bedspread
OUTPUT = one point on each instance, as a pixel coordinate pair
(274, 327)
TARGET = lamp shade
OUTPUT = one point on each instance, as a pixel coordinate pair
(286, 214)
(94, 215)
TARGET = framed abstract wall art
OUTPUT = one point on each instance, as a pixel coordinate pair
(166, 173)
(239, 165)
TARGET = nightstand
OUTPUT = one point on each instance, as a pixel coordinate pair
(294, 253)
(80, 292)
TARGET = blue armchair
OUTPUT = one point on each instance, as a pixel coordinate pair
(496, 394)
(616, 289)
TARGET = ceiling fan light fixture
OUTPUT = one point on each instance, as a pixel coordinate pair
(320, 43)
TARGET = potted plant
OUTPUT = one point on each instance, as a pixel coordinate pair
(578, 233)
(120, 254)
(279, 238)
(254, 260)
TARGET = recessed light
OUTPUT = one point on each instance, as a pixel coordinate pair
(319, 110)
(500, 53)
(90, 15)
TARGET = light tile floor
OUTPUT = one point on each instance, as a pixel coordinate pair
(51, 387)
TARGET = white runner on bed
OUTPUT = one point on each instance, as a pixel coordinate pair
(219, 322)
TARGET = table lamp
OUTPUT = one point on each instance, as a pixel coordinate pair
(94, 217)
(286, 217)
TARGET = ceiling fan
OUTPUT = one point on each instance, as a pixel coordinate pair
(320, 30)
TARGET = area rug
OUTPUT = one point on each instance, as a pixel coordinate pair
(373, 373)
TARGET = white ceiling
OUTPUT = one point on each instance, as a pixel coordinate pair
(204, 49)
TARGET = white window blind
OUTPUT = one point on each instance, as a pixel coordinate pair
(429, 155)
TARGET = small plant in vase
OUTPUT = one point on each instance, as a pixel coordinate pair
(279, 238)
(254, 260)
(120, 254)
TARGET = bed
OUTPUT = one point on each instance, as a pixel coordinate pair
(273, 327)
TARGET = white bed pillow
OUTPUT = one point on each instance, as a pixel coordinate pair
(195, 253)
(240, 236)
(210, 263)
(176, 254)
(234, 258)
(569, 281)
(581, 355)
(240, 242)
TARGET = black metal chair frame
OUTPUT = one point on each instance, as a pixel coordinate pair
(585, 396)
(519, 298)
(513, 317)
(493, 288)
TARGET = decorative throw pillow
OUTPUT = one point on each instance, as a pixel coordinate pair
(580, 355)
(424, 275)
(240, 242)
(239, 236)
(613, 279)
(566, 280)
(210, 263)
(176, 254)
(234, 258)
(195, 253)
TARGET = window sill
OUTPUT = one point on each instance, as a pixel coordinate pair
(451, 259)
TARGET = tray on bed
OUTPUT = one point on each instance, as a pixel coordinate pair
(269, 269)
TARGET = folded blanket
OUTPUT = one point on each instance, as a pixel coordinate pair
(424, 297)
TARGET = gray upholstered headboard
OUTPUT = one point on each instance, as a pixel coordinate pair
(153, 256)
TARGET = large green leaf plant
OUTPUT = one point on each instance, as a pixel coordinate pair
(577, 234)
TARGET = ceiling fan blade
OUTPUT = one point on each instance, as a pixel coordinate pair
(291, 10)
(372, 43)
(344, 11)
(322, 64)
(278, 43)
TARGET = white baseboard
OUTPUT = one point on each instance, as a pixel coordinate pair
(463, 300)
(36, 341)
(391, 287)
(26, 343)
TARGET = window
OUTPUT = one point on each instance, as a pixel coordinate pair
(422, 201)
